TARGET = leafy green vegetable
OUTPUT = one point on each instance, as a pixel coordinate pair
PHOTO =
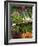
(18, 18)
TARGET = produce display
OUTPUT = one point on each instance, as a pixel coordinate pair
(21, 21)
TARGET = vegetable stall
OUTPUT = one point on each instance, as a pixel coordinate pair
(21, 21)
